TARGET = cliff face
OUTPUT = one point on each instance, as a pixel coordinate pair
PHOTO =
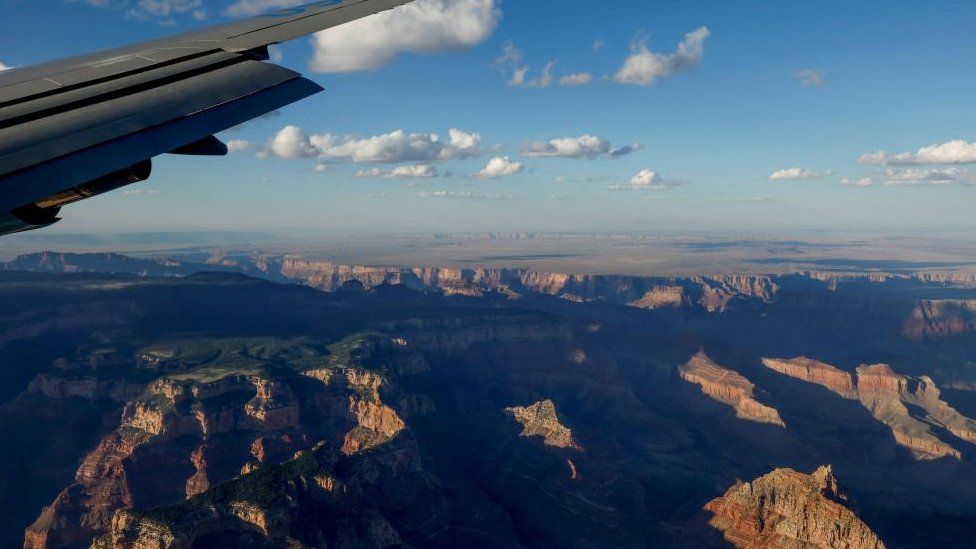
(712, 293)
(728, 387)
(204, 427)
(912, 407)
(941, 319)
(787, 509)
(814, 371)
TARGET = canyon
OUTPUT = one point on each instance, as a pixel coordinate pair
(158, 403)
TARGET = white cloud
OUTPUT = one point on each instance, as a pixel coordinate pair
(649, 180)
(950, 152)
(463, 144)
(577, 79)
(391, 148)
(810, 78)
(647, 68)
(860, 182)
(424, 26)
(238, 145)
(916, 177)
(584, 146)
(292, 142)
(394, 147)
(512, 62)
(145, 9)
(416, 171)
(500, 166)
(4, 67)
(242, 8)
(799, 173)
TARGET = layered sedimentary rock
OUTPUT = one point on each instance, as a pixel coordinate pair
(941, 319)
(661, 297)
(788, 509)
(299, 503)
(814, 371)
(189, 433)
(713, 293)
(912, 407)
(540, 420)
(728, 387)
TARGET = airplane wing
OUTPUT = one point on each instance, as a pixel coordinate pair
(79, 127)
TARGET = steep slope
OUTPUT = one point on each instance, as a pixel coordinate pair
(911, 407)
(728, 387)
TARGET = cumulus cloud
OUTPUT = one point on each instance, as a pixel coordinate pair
(648, 180)
(646, 68)
(916, 177)
(810, 78)
(799, 173)
(4, 67)
(462, 144)
(238, 145)
(500, 166)
(396, 147)
(292, 142)
(584, 146)
(416, 171)
(424, 26)
(950, 152)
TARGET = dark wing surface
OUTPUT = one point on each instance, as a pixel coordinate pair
(79, 127)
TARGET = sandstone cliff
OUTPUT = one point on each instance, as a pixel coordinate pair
(203, 427)
(728, 387)
(912, 407)
(787, 509)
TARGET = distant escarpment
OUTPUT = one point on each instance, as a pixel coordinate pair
(941, 319)
(728, 387)
(787, 509)
(912, 407)
(713, 293)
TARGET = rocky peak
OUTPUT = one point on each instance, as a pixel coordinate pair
(540, 420)
(788, 509)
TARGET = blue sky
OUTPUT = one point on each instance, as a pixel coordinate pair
(719, 96)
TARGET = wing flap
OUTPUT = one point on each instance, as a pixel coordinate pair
(77, 129)
(237, 36)
(44, 179)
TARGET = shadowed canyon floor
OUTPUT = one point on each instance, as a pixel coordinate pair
(156, 407)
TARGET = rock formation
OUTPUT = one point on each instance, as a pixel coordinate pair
(728, 387)
(909, 406)
(941, 319)
(814, 371)
(540, 420)
(787, 509)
